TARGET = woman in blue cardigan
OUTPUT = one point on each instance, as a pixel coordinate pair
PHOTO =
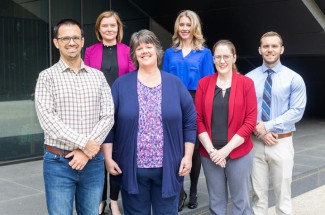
(154, 132)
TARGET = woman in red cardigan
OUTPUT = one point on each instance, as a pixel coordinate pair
(113, 58)
(226, 117)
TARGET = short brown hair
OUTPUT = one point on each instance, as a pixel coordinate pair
(148, 37)
(271, 34)
(108, 14)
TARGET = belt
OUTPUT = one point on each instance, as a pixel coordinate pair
(289, 134)
(56, 150)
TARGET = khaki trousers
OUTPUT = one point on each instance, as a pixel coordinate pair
(275, 163)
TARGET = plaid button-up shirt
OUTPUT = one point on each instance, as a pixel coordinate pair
(73, 107)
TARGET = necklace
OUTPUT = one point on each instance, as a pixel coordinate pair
(224, 84)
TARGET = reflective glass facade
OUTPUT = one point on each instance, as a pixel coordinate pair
(27, 49)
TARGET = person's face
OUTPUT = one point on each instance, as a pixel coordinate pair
(108, 29)
(271, 50)
(223, 59)
(69, 42)
(146, 55)
(185, 28)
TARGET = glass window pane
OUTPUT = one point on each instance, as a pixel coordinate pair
(23, 54)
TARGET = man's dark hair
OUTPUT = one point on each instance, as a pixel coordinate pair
(66, 22)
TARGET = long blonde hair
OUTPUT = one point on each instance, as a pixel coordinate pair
(196, 29)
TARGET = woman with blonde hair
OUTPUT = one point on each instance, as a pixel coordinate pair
(190, 61)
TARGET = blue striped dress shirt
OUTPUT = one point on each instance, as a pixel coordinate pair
(288, 97)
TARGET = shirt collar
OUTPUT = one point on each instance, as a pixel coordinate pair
(276, 68)
(66, 68)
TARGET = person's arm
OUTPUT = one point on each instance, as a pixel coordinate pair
(79, 159)
(189, 129)
(207, 64)
(296, 110)
(111, 166)
(165, 66)
(202, 130)
(106, 117)
(247, 126)
(207, 144)
(186, 162)
(49, 119)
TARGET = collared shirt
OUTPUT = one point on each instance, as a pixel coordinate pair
(288, 97)
(73, 107)
(191, 68)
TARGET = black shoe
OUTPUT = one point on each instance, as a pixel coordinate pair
(192, 203)
(181, 202)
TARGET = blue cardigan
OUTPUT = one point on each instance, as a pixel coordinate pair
(179, 126)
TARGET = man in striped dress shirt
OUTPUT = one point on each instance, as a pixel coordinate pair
(281, 101)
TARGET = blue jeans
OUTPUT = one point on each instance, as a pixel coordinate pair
(63, 184)
(150, 194)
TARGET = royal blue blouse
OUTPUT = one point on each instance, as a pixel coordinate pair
(191, 68)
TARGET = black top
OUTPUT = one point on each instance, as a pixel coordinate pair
(219, 123)
(109, 64)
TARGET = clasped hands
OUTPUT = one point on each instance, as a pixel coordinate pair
(269, 138)
(81, 157)
(219, 156)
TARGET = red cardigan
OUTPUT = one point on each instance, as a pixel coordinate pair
(242, 111)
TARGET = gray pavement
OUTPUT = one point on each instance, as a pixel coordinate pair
(22, 188)
(311, 202)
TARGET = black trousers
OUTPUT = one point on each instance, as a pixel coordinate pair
(195, 172)
(196, 165)
(114, 187)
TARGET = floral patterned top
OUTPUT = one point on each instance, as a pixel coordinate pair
(150, 133)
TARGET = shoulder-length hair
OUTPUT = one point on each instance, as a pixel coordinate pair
(196, 30)
(147, 37)
(108, 14)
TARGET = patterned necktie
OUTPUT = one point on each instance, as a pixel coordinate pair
(267, 93)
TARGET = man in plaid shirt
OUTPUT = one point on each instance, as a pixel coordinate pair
(76, 111)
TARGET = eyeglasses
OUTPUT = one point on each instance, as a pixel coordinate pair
(75, 39)
(217, 58)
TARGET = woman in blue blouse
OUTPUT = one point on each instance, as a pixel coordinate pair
(154, 133)
(190, 61)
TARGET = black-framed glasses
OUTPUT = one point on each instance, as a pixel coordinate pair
(217, 58)
(75, 39)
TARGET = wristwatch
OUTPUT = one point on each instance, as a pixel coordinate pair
(212, 150)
